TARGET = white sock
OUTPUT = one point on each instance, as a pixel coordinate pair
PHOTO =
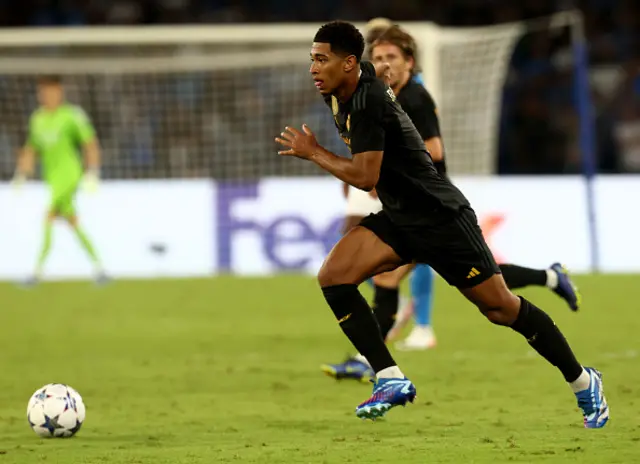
(362, 359)
(552, 278)
(581, 383)
(392, 372)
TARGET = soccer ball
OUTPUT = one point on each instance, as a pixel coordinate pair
(55, 410)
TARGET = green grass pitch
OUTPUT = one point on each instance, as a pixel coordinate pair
(227, 370)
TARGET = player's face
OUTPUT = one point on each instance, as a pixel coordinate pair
(327, 68)
(400, 66)
(50, 95)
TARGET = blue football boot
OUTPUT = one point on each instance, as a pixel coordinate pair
(387, 394)
(352, 368)
(592, 402)
(566, 289)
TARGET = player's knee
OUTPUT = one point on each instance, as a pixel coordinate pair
(336, 272)
(495, 316)
(501, 309)
(386, 279)
(328, 274)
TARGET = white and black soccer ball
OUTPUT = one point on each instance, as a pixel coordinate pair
(56, 410)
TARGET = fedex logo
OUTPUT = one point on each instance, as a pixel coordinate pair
(273, 228)
(268, 226)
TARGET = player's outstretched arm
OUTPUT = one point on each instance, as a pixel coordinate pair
(361, 171)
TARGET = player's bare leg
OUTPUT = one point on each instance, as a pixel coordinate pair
(502, 307)
(351, 221)
(359, 255)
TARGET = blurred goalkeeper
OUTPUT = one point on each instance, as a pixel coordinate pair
(57, 130)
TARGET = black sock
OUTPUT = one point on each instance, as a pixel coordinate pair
(518, 277)
(358, 324)
(545, 337)
(385, 307)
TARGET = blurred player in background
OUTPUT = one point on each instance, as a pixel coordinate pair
(57, 130)
(394, 46)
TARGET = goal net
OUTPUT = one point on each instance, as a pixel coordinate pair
(197, 101)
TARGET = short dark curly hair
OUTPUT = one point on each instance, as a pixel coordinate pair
(344, 38)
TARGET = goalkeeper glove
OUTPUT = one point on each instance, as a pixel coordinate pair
(91, 180)
(18, 180)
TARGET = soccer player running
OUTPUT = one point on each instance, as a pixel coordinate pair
(425, 219)
(56, 130)
(397, 48)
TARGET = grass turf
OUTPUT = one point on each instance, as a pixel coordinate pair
(227, 370)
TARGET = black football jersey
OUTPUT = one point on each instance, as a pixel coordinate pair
(409, 187)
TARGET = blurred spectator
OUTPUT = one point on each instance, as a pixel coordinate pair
(626, 115)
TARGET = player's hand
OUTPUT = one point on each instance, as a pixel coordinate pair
(383, 71)
(301, 144)
(91, 181)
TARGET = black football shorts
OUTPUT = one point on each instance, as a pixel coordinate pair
(454, 246)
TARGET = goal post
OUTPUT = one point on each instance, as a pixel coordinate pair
(465, 69)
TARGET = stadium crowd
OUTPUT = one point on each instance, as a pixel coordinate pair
(199, 124)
